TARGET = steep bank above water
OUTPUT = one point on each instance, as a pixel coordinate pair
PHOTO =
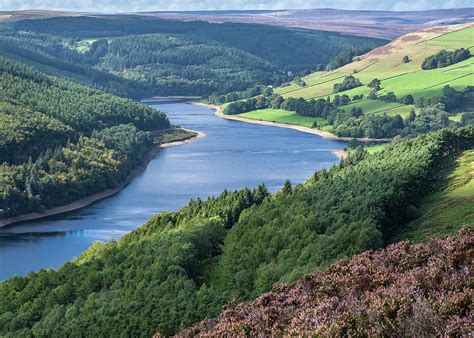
(84, 202)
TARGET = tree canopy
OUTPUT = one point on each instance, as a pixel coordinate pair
(446, 58)
(142, 56)
(60, 141)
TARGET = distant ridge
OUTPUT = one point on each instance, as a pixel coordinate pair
(34, 14)
(377, 24)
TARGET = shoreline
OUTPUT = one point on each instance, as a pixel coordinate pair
(341, 154)
(86, 201)
(322, 133)
(176, 97)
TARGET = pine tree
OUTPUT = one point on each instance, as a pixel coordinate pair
(287, 188)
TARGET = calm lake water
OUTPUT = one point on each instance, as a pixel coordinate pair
(233, 155)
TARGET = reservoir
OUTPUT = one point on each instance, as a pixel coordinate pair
(233, 155)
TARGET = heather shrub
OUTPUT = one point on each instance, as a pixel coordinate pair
(422, 290)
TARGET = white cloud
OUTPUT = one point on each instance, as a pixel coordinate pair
(163, 5)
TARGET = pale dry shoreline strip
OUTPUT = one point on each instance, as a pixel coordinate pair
(324, 134)
(84, 202)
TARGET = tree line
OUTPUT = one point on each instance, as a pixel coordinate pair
(345, 57)
(349, 82)
(445, 58)
(354, 123)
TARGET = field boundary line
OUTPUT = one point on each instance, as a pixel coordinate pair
(448, 70)
(457, 78)
(436, 37)
(377, 111)
(292, 91)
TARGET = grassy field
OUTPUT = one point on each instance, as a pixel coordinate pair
(371, 149)
(284, 116)
(377, 106)
(314, 79)
(84, 45)
(385, 63)
(451, 207)
(416, 83)
(451, 40)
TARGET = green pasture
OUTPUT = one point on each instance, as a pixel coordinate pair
(421, 83)
(451, 207)
(283, 116)
(461, 38)
(402, 79)
(374, 106)
(428, 83)
(84, 45)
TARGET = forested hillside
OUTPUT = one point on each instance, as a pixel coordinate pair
(61, 141)
(181, 267)
(133, 56)
(46, 54)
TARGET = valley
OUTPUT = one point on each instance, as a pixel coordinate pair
(143, 56)
(210, 251)
(209, 164)
(263, 172)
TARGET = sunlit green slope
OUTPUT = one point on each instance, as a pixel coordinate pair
(402, 78)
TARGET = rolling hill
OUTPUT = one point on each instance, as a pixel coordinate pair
(380, 24)
(386, 63)
(377, 24)
(398, 66)
(141, 56)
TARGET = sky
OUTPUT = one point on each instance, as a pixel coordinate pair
(175, 5)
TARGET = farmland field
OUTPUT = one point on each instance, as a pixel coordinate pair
(284, 116)
(395, 75)
(376, 106)
(453, 40)
(385, 63)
